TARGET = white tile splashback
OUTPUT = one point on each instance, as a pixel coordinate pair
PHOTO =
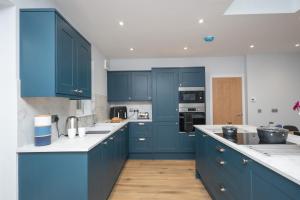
(137, 105)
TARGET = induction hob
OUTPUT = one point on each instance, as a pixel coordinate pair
(245, 139)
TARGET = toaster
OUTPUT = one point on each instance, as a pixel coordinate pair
(118, 111)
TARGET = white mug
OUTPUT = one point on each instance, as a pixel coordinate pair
(72, 132)
(81, 131)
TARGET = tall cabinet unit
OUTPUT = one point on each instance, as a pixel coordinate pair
(55, 60)
(165, 109)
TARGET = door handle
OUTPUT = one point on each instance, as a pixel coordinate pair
(141, 124)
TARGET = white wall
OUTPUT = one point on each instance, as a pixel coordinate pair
(99, 73)
(274, 81)
(215, 66)
(8, 102)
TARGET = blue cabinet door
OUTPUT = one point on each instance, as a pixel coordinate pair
(201, 154)
(186, 143)
(95, 174)
(118, 86)
(165, 95)
(269, 185)
(83, 68)
(141, 86)
(192, 77)
(66, 58)
(165, 137)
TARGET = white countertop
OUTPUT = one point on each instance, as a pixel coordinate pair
(287, 166)
(77, 144)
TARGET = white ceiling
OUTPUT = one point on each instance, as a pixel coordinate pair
(162, 28)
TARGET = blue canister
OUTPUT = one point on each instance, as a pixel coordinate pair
(42, 130)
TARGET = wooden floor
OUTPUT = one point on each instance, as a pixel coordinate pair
(159, 179)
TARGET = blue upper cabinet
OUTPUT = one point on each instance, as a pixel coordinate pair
(192, 77)
(165, 94)
(129, 86)
(141, 86)
(55, 60)
(118, 86)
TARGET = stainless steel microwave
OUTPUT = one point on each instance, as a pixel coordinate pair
(191, 95)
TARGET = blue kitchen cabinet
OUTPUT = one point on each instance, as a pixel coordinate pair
(267, 184)
(141, 139)
(201, 155)
(84, 67)
(55, 60)
(75, 175)
(186, 143)
(119, 86)
(129, 86)
(230, 175)
(165, 137)
(141, 88)
(192, 77)
(165, 94)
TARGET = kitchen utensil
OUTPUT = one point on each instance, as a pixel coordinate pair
(72, 133)
(72, 123)
(81, 132)
(272, 135)
(143, 115)
(229, 131)
(42, 130)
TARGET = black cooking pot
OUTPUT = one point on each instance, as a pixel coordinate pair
(272, 135)
(229, 131)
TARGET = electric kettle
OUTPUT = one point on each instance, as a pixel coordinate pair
(71, 123)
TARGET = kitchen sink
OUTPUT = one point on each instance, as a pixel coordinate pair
(98, 132)
(277, 149)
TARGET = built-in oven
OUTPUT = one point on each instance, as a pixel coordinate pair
(191, 94)
(190, 115)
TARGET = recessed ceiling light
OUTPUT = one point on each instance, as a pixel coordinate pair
(121, 23)
(201, 21)
(252, 46)
(185, 48)
(131, 49)
(297, 45)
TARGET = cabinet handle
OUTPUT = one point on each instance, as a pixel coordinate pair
(80, 91)
(75, 91)
(149, 97)
(222, 189)
(141, 124)
(180, 84)
(111, 138)
(142, 139)
(220, 149)
(204, 136)
(105, 143)
(222, 162)
(122, 129)
(176, 109)
(176, 123)
(129, 98)
(191, 135)
(245, 161)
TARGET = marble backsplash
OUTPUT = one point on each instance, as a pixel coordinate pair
(142, 106)
(30, 107)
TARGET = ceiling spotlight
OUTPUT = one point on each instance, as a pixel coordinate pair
(252, 46)
(201, 21)
(297, 45)
(185, 48)
(131, 49)
(121, 23)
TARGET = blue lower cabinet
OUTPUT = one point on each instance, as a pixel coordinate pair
(186, 142)
(165, 137)
(141, 145)
(229, 175)
(77, 176)
(266, 184)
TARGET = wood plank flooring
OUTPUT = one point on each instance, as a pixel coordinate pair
(159, 179)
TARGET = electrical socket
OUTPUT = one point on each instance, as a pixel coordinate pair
(54, 118)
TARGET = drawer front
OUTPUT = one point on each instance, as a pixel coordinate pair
(140, 129)
(140, 145)
(221, 152)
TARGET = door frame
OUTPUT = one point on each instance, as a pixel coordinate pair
(243, 95)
